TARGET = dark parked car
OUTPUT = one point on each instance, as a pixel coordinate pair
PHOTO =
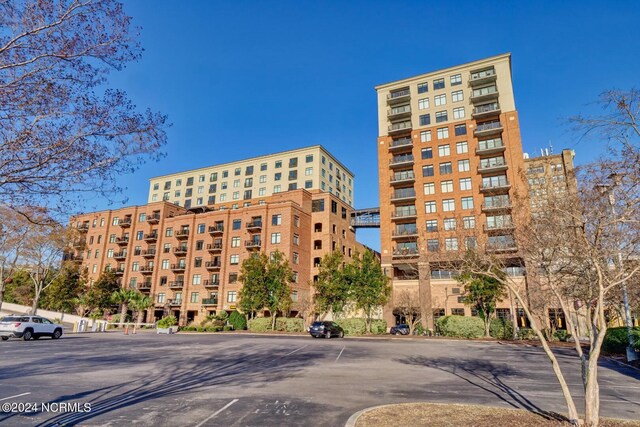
(401, 329)
(326, 329)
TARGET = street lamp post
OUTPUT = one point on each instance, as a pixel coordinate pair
(610, 188)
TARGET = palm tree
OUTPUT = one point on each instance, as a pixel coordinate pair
(123, 297)
(140, 303)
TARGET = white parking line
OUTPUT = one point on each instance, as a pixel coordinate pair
(340, 354)
(297, 349)
(13, 397)
(216, 413)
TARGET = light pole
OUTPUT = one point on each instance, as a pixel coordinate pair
(610, 188)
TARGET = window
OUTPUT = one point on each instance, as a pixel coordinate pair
(425, 119)
(275, 238)
(432, 225)
(248, 182)
(438, 84)
(439, 100)
(165, 264)
(425, 136)
(293, 162)
(139, 235)
(432, 245)
(467, 202)
(444, 150)
(427, 153)
(423, 104)
(190, 181)
(450, 224)
(423, 87)
(448, 205)
(161, 298)
(445, 168)
(199, 245)
(427, 170)
(462, 147)
(430, 206)
(277, 188)
(458, 113)
(262, 191)
(237, 224)
(451, 244)
(236, 183)
(293, 186)
(317, 205)
(263, 166)
(308, 171)
(296, 221)
(441, 116)
(110, 253)
(237, 171)
(235, 259)
(456, 79)
(231, 296)
(470, 243)
(233, 278)
(457, 96)
(135, 266)
(446, 186)
(443, 133)
(460, 130)
(156, 186)
(194, 296)
(197, 279)
(278, 164)
(463, 165)
(465, 184)
(308, 184)
(276, 219)
(213, 177)
(116, 220)
(308, 158)
(235, 242)
(469, 222)
(296, 239)
(429, 188)
(224, 185)
(296, 258)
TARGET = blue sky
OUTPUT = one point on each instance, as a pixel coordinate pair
(246, 78)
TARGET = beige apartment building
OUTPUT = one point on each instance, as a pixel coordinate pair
(450, 163)
(237, 183)
(549, 173)
(189, 261)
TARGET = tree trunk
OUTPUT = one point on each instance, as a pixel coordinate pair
(123, 313)
(34, 306)
(140, 314)
(273, 321)
(487, 327)
(2, 287)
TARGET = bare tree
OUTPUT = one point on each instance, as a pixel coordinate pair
(407, 303)
(61, 132)
(13, 230)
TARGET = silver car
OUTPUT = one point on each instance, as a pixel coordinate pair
(27, 327)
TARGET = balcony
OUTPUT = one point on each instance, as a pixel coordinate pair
(491, 146)
(499, 227)
(153, 219)
(401, 144)
(79, 243)
(119, 271)
(178, 284)
(211, 284)
(493, 166)
(120, 255)
(213, 265)
(73, 258)
(484, 94)
(483, 77)
(399, 96)
(254, 226)
(182, 234)
(403, 195)
(210, 301)
(400, 161)
(178, 267)
(180, 250)
(144, 286)
(253, 244)
(495, 187)
(399, 112)
(83, 228)
(406, 234)
(403, 215)
(147, 269)
(487, 129)
(149, 253)
(125, 223)
(175, 303)
(214, 248)
(122, 241)
(403, 178)
(405, 253)
(502, 248)
(492, 207)
(486, 110)
(216, 230)
(151, 237)
(400, 127)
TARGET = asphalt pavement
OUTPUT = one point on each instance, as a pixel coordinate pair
(250, 380)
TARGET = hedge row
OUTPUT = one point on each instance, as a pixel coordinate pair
(206, 328)
(460, 326)
(283, 324)
(358, 326)
(616, 340)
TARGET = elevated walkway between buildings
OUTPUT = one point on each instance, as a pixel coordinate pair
(366, 218)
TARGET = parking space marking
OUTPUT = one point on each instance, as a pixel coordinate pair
(13, 397)
(340, 353)
(297, 349)
(216, 413)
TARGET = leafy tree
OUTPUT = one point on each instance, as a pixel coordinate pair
(278, 283)
(19, 289)
(64, 292)
(139, 303)
(332, 288)
(369, 286)
(123, 297)
(62, 132)
(98, 298)
(482, 293)
(253, 273)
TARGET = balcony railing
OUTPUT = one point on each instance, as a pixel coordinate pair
(120, 255)
(79, 243)
(495, 185)
(482, 77)
(178, 267)
(119, 271)
(180, 250)
(486, 110)
(147, 269)
(405, 253)
(490, 146)
(210, 301)
(83, 228)
(404, 233)
(144, 286)
(405, 194)
(401, 160)
(178, 284)
(149, 253)
(211, 283)
(400, 127)
(496, 206)
(404, 214)
(175, 303)
(488, 128)
(252, 244)
(182, 234)
(216, 229)
(125, 223)
(397, 144)
(151, 237)
(398, 96)
(215, 247)
(153, 219)
(213, 265)
(507, 225)
(122, 241)
(492, 166)
(484, 94)
(404, 110)
(254, 225)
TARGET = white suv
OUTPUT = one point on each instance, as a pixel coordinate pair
(27, 327)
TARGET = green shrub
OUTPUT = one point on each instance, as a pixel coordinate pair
(116, 318)
(189, 328)
(562, 335)
(378, 326)
(354, 326)
(526, 334)
(260, 324)
(289, 324)
(238, 321)
(213, 328)
(460, 326)
(223, 315)
(166, 322)
(501, 329)
(616, 340)
(227, 328)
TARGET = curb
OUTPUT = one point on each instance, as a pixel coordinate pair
(353, 419)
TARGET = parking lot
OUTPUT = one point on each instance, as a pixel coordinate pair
(249, 380)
